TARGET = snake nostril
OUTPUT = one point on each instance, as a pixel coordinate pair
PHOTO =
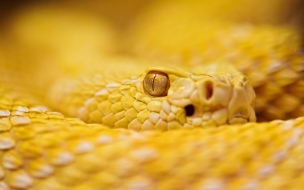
(189, 110)
(209, 89)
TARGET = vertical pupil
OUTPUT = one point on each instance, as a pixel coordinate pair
(153, 82)
(156, 83)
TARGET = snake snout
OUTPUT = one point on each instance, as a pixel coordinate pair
(208, 89)
(206, 93)
(205, 100)
(240, 107)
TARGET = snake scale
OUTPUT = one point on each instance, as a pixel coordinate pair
(192, 124)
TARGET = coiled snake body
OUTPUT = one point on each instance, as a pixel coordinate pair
(41, 149)
(179, 138)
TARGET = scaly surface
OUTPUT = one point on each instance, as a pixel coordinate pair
(43, 149)
(209, 96)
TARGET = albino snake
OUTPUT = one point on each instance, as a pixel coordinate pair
(43, 149)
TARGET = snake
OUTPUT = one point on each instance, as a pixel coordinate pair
(129, 123)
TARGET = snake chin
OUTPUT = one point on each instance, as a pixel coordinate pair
(238, 120)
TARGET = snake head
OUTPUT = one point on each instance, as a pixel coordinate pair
(159, 98)
(198, 100)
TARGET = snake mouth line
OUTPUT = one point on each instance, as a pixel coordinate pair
(198, 116)
(218, 117)
(238, 119)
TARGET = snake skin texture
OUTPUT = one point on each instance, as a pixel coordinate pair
(41, 149)
(171, 117)
(214, 96)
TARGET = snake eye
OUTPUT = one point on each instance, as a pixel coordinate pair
(156, 83)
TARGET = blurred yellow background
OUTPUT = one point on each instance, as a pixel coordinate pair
(120, 13)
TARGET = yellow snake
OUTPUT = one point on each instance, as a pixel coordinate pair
(177, 114)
